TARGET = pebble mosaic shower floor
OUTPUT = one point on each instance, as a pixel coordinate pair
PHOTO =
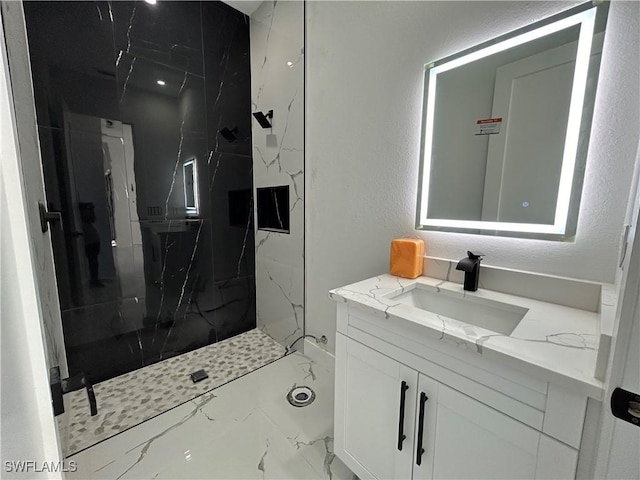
(130, 399)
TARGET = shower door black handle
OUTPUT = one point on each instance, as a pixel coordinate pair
(403, 392)
(420, 450)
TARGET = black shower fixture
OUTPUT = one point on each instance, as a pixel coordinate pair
(262, 118)
(229, 135)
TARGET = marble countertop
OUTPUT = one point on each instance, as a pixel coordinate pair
(554, 342)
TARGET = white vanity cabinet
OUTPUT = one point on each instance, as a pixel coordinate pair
(475, 441)
(452, 420)
(368, 407)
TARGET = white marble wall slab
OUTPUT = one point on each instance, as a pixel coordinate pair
(277, 83)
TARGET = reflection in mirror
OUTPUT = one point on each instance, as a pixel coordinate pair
(190, 179)
(506, 127)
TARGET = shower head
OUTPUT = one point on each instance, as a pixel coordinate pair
(262, 118)
(229, 135)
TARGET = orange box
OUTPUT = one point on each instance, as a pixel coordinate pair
(407, 257)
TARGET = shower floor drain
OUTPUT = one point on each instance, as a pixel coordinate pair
(301, 396)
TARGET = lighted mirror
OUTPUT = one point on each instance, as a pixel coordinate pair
(190, 179)
(506, 128)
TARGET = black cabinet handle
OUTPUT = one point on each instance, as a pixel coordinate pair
(420, 450)
(401, 436)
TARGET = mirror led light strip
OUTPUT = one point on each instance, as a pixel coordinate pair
(586, 20)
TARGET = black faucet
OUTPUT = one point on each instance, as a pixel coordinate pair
(471, 268)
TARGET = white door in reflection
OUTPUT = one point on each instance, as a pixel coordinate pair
(524, 163)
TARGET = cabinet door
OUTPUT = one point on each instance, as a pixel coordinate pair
(475, 441)
(368, 411)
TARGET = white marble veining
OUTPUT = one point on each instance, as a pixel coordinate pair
(137, 396)
(584, 295)
(244, 429)
(277, 83)
(551, 341)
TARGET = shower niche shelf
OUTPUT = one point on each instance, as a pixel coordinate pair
(273, 209)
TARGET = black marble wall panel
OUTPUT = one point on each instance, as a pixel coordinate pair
(232, 233)
(233, 252)
(225, 32)
(128, 94)
(167, 33)
(169, 128)
(72, 60)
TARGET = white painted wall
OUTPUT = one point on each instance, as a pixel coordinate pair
(364, 99)
(28, 429)
(623, 456)
(618, 442)
(28, 426)
(29, 147)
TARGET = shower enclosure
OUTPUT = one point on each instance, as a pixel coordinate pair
(155, 252)
(136, 117)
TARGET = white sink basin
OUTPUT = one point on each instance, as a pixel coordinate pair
(491, 315)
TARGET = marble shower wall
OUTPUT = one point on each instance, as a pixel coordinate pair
(152, 261)
(277, 83)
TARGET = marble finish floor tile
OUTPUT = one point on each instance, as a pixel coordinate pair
(130, 399)
(245, 429)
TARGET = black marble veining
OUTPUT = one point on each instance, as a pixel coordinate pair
(156, 254)
(224, 58)
(167, 33)
(72, 60)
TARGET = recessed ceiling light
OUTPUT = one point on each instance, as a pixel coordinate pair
(152, 2)
(161, 82)
(289, 64)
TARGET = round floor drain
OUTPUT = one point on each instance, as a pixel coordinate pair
(301, 396)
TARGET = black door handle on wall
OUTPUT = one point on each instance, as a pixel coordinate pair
(420, 450)
(401, 436)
